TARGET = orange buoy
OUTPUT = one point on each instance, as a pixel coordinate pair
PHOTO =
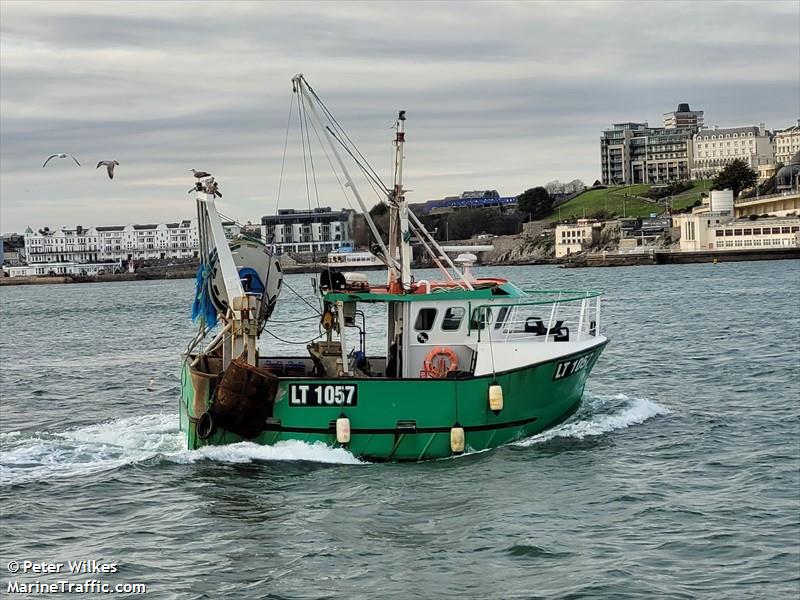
(439, 362)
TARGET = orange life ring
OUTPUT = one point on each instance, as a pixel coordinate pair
(439, 362)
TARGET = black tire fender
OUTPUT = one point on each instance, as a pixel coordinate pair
(205, 426)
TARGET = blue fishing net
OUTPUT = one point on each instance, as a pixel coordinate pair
(202, 307)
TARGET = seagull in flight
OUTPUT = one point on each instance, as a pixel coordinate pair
(109, 165)
(200, 174)
(61, 155)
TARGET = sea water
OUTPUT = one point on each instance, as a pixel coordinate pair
(679, 477)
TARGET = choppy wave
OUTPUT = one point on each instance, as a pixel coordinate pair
(26, 457)
(600, 415)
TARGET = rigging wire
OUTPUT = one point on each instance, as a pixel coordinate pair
(316, 187)
(294, 341)
(343, 132)
(314, 308)
(371, 179)
(283, 160)
(298, 320)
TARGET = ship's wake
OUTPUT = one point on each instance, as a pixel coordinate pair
(600, 415)
(40, 456)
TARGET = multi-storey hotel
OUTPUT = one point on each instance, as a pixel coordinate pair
(715, 148)
(116, 243)
(637, 153)
(316, 230)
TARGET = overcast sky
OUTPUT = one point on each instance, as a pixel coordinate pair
(499, 96)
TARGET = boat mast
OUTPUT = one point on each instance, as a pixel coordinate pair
(401, 229)
(240, 322)
(301, 87)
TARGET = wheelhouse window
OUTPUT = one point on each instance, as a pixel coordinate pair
(481, 317)
(501, 317)
(425, 319)
(452, 318)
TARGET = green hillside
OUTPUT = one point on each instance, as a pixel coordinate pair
(623, 201)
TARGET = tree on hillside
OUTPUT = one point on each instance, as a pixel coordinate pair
(574, 186)
(554, 187)
(737, 176)
(536, 202)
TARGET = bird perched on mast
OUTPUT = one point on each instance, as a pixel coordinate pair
(109, 165)
(212, 188)
(200, 174)
(61, 155)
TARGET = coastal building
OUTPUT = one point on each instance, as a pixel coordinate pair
(637, 153)
(715, 148)
(643, 231)
(114, 243)
(9, 255)
(683, 118)
(575, 237)
(787, 143)
(712, 226)
(12, 250)
(316, 230)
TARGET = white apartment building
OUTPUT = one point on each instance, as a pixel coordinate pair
(787, 143)
(712, 149)
(713, 227)
(116, 242)
(573, 238)
(316, 230)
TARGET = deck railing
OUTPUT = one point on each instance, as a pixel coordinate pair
(541, 316)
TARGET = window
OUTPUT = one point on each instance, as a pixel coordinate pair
(776, 230)
(757, 231)
(481, 317)
(785, 229)
(501, 316)
(728, 232)
(737, 232)
(747, 232)
(452, 318)
(425, 319)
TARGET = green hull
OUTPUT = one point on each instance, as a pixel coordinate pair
(411, 419)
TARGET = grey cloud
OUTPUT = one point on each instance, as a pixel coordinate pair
(498, 95)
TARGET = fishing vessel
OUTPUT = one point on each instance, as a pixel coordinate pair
(468, 363)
